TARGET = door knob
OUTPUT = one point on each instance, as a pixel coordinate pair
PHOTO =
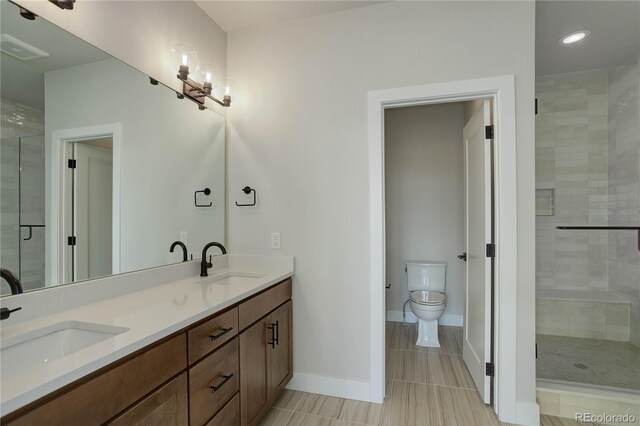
(463, 256)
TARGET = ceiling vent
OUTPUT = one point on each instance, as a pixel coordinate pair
(19, 49)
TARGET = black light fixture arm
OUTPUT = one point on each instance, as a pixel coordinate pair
(198, 92)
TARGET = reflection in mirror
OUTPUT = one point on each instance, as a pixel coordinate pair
(99, 167)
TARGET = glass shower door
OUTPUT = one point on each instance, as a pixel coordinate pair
(32, 212)
(9, 207)
(22, 210)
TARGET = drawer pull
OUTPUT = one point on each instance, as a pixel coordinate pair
(226, 378)
(220, 334)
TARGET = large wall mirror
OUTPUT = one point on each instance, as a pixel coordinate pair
(101, 170)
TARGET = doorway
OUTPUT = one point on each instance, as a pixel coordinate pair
(501, 91)
(438, 220)
(84, 207)
(90, 207)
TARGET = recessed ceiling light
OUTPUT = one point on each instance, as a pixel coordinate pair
(574, 37)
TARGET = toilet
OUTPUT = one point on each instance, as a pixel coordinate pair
(426, 282)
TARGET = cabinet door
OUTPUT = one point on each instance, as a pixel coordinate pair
(279, 355)
(253, 373)
(167, 405)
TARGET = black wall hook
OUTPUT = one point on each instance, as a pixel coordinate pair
(205, 191)
(248, 190)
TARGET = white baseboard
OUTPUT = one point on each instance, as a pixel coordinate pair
(341, 388)
(527, 413)
(445, 319)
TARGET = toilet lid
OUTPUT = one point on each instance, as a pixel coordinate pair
(428, 297)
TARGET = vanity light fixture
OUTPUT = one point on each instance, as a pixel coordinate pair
(185, 59)
(64, 4)
(574, 37)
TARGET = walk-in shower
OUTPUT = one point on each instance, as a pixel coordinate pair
(22, 195)
(587, 224)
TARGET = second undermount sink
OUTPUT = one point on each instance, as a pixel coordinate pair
(231, 278)
(29, 350)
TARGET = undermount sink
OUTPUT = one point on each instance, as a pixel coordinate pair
(231, 278)
(29, 350)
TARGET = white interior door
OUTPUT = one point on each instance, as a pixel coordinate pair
(93, 197)
(478, 214)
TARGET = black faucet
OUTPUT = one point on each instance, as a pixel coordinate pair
(14, 282)
(184, 249)
(6, 312)
(204, 265)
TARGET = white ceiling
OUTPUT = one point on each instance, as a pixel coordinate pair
(614, 39)
(239, 15)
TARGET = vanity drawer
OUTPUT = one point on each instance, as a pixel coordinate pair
(258, 306)
(212, 334)
(212, 382)
(102, 397)
(168, 405)
(229, 415)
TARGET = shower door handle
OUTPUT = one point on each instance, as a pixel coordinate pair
(463, 256)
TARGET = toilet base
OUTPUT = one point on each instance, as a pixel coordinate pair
(428, 334)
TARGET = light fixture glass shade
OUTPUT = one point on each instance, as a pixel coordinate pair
(227, 87)
(184, 54)
(208, 73)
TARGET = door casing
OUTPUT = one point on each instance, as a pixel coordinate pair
(501, 90)
(56, 225)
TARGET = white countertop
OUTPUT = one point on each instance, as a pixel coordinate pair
(149, 314)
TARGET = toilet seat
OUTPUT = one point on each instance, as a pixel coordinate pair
(428, 298)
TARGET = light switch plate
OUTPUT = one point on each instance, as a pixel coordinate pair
(275, 240)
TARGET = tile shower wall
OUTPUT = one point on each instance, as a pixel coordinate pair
(22, 138)
(624, 187)
(572, 159)
(578, 318)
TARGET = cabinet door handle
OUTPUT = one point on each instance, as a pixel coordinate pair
(277, 326)
(220, 334)
(273, 340)
(226, 378)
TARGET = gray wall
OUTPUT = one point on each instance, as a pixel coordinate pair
(299, 127)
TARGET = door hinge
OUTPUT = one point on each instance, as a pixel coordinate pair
(536, 350)
(72, 164)
(536, 106)
(488, 131)
(491, 250)
(489, 369)
(71, 241)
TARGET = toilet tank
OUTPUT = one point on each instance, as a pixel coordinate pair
(426, 275)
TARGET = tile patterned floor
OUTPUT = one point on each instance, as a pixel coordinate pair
(425, 386)
(599, 362)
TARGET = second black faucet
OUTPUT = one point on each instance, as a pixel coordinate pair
(204, 265)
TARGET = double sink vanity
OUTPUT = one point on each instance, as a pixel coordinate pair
(161, 346)
(102, 322)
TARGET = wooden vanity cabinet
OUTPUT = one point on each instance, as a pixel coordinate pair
(225, 370)
(265, 355)
(99, 398)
